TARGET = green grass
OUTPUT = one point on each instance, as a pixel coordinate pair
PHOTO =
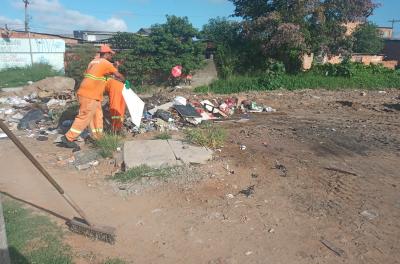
(143, 171)
(33, 238)
(309, 80)
(108, 144)
(14, 77)
(163, 136)
(114, 261)
(206, 135)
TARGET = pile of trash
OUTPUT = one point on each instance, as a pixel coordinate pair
(36, 107)
(175, 114)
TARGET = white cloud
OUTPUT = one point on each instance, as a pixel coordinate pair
(10, 22)
(52, 16)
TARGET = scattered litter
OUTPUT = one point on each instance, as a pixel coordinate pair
(243, 147)
(248, 253)
(248, 191)
(341, 171)
(163, 115)
(3, 135)
(28, 121)
(230, 196)
(187, 111)
(370, 215)
(282, 168)
(382, 92)
(179, 100)
(339, 252)
(42, 138)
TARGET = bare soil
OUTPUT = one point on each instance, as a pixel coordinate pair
(324, 167)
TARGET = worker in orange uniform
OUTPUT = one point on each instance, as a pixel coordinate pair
(90, 95)
(117, 103)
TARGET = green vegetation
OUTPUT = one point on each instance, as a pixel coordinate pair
(341, 76)
(14, 77)
(108, 144)
(206, 135)
(143, 171)
(163, 136)
(114, 261)
(368, 39)
(33, 238)
(148, 60)
(285, 31)
(77, 59)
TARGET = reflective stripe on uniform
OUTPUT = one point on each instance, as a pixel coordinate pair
(90, 76)
(75, 130)
(116, 117)
(97, 130)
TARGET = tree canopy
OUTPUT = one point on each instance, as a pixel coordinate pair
(150, 58)
(367, 39)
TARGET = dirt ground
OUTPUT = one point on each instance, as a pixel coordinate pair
(325, 167)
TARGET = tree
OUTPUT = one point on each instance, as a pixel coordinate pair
(150, 59)
(368, 39)
(77, 59)
(318, 23)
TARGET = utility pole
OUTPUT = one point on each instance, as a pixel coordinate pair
(26, 2)
(393, 21)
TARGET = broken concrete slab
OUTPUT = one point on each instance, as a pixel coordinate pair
(189, 154)
(153, 153)
(159, 153)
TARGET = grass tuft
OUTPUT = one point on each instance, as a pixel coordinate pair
(207, 136)
(108, 144)
(114, 261)
(163, 136)
(13, 77)
(33, 238)
(142, 171)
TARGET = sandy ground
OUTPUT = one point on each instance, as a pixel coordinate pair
(339, 154)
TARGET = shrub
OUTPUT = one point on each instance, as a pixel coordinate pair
(341, 76)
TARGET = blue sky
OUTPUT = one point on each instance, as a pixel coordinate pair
(63, 16)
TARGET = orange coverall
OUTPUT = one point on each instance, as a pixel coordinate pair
(90, 95)
(117, 103)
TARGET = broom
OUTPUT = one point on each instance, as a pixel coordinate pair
(78, 225)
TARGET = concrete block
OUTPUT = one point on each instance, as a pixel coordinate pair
(189, 154)
(153, 153)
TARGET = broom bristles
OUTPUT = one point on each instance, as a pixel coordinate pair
(79, 226)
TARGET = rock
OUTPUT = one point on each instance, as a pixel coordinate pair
(86, 157)
(83, 166)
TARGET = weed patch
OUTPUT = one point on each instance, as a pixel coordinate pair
(163, 136)
(108, 144)
(207, 136)
(142, 172)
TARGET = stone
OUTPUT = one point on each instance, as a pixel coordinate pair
(85, 157)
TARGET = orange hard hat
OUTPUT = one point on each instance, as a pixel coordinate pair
(106, 49)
